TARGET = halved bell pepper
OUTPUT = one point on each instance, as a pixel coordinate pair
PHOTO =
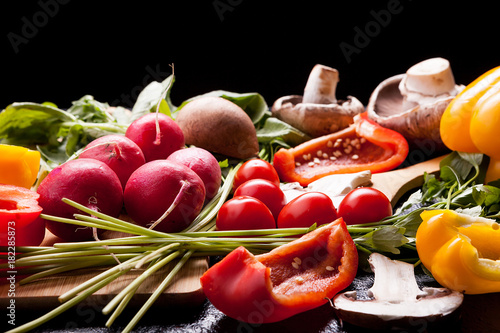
(288, 280)
(18, 165)
(462, 252)
(20, 220)
(364, 145)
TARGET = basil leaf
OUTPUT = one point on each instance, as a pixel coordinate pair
(253, 104)
(274, 128)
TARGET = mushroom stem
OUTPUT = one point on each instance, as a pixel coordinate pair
(403, 286)
(427, 80)
(396, 301)
(321, 85)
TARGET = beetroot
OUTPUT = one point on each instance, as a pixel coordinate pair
(120, 153)
(204, 164)
(156, 144)
(154, 187)
(87, 181)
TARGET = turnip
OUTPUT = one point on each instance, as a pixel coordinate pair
(164, 195)
(157, 135)
(120, 153)
(87, 181)
(204, 164)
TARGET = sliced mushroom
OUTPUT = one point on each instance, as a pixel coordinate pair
(395, 301)
(318, 112)
(413, 103)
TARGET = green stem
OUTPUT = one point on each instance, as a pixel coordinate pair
(166, 282)
(131, 287)
(121, 268)
(65, 306)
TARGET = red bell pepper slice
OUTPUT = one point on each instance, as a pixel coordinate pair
(19, 217)
(288, 280)
(364, 145)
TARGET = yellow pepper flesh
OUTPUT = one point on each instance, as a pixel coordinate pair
(485, 127)
(455, 121)
(18, 165)
(461, 252)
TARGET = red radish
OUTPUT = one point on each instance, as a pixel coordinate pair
(164, 195)
(156, 142)
(120, 153)
(87, 181)
(204, 164)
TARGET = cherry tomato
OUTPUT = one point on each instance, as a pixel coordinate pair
(253, 169)
(307, 209)
(364, 205)
(244, 213)
(266, 191)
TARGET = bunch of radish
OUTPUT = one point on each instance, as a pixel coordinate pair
(149, 173)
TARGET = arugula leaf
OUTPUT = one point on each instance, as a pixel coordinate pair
(385, 239)
(148, 98)
(89, 110)
(31, 123)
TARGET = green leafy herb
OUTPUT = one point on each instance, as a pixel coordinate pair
(58, 133)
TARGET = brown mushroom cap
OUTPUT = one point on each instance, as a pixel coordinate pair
(316, 119)
(417, 122)
(318, 112)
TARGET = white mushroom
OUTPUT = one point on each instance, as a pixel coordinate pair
(318, 112)
(395, 300)
(413, 103)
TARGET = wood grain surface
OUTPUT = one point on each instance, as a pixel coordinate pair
(185, 289)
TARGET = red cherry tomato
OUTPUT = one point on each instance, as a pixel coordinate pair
(307, 209)
(364, 205)
(266, 191)
(253, 169)
(244, 213)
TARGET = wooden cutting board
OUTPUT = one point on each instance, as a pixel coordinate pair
(185, 289)
(394, 184)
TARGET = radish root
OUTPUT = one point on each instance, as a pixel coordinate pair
(174, 204)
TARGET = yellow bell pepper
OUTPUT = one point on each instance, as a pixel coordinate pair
(455, 121)
(471, 122)
(18, 165)
(462, 252)
(485, 128)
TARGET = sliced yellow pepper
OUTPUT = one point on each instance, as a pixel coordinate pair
(462, 252)
(18, 165)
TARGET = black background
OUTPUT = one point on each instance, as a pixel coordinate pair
(60, 50)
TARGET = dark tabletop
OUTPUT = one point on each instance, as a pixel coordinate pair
(479, 313)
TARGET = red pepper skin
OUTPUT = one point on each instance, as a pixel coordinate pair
(19, 217)
(384, 150)
(274, 286)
